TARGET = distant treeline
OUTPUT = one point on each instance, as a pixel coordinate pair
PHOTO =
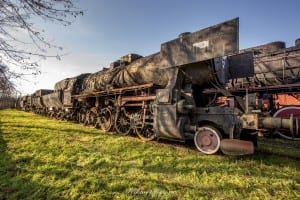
(7, 102)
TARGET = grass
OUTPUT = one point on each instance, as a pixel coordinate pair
(47, 159)
(282, 147)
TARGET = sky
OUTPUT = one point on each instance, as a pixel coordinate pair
(110, 29)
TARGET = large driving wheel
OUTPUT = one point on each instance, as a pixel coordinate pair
(105, 120)
(207, 139)
(146, 133)
(143, 127)
(122, 123)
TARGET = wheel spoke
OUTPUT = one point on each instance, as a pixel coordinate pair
(146, 133)
(105, 120)
(122, 123)
(143, 127)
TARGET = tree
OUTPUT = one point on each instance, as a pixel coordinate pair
(6, 86)
(17, 32)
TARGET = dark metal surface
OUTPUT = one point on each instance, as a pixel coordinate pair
(265, 49)
(272, 68)
(240, 66)
(115, 90)
(42, 92)
(53, 100)
(141, 71)
(74, 84)
(232, 67)
(167, 124)
(215, 41)
(37, 100)
(67, 98)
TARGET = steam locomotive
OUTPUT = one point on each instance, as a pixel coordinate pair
(172, 94)
(275, 84)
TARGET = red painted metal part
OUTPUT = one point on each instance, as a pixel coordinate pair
(287, 111)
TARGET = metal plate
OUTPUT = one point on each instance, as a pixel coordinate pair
(241, 66)
(215, 41)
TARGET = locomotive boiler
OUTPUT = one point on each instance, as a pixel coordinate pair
(164, 96)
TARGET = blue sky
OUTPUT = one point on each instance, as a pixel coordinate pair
(112, 28)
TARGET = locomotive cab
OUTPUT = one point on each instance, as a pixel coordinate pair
(183, 111)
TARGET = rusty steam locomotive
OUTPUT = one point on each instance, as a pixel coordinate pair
(168, 95)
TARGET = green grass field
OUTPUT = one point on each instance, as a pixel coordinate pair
(47, 159)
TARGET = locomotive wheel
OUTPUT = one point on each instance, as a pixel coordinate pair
(86, 120)
(81, 118)
(146, 133)
(92, 118)
(58, 116)
(122, 123)
(105, 121)
(143, 130)
(207, 140)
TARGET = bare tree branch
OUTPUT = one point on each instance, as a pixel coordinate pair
(15, 20)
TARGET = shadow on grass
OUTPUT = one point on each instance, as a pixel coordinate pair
(14, 181)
